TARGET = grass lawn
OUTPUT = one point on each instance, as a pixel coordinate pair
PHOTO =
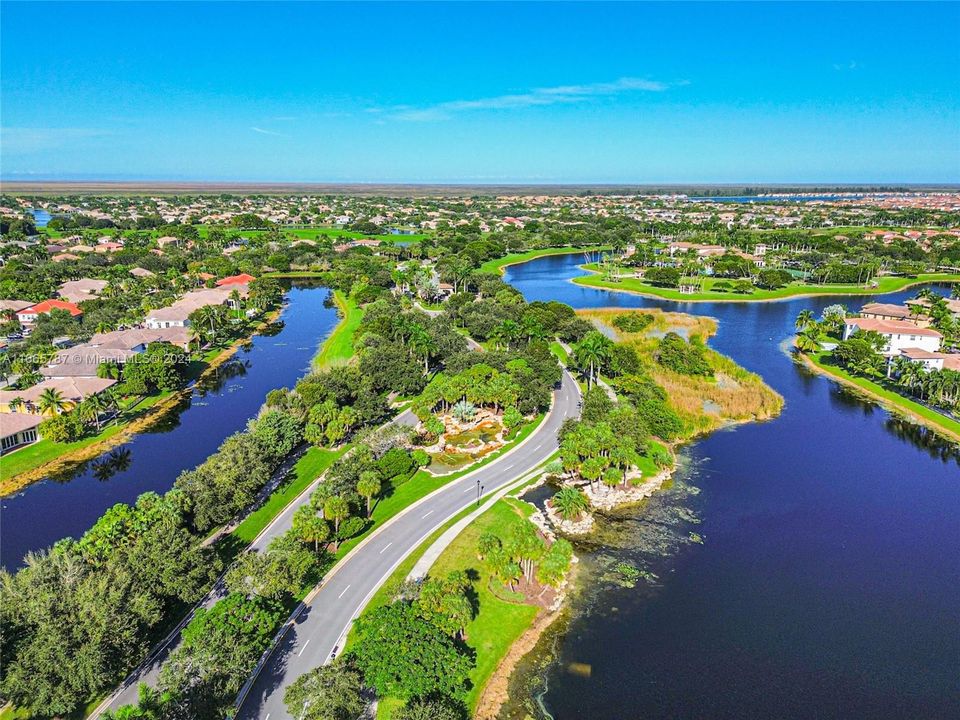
(498, 264)
(630, 284)
(557, 349)
(922, 413)
(338, 349)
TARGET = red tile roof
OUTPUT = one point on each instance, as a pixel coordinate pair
(48, 305)
(241, 279)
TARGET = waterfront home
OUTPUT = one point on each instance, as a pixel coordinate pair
(137, 339)
(17, 430)
(899, 334)
(921, 304)
(72, 390)
(83, 361)
(29, 315)
(76, 291)
(888, 311)
(178, 314)
(932, 360)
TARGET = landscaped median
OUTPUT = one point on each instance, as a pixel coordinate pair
(822, 362)
(640, 287)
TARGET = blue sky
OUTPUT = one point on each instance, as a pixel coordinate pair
(479, 93)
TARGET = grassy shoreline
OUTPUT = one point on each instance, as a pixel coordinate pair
(337, 348)
(498, 265)
(791, 292)
(892, 401)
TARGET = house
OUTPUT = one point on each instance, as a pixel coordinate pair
(241, 279)
(108, 247)
(77, 291)
(29, 315)
(63, 257)
(141, 272)
(83, 361)
(889, 311)
(73, 390)
(445, 289)
(953, 304)
(137, 339)
(178, 314)
(13, 305)
(899, 334)
(931, 360)
(17, 430)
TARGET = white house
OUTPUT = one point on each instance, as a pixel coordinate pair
(899, 334)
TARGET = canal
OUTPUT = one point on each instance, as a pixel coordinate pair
(55, 508)
(805, 567)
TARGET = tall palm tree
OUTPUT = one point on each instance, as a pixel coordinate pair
(51, 402)
(16, 403)
(591, 353)
(807, 342)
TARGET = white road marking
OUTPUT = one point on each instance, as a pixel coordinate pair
(267, 717)
(300, 653)
(429, 513)
(385, 547)
(343, 593)
(469, 489)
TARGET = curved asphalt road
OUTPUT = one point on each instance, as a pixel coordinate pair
(323, 623)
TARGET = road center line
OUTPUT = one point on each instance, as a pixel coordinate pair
(429, 513)
(301, 652)
(385, 547)
(469, 489)
(343, 593)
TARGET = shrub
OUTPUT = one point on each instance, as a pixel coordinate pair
(633, 322)
(676, 354)
(395, 463)
(62, 428)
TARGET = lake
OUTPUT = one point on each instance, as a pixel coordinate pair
(53, 509)
(827, 584)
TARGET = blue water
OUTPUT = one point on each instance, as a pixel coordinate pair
(56, 508)
(828, 584)
(40, 217)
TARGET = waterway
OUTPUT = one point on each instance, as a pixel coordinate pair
(804, 567)
(67, 506)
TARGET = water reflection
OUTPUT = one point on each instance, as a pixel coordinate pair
(826, 584)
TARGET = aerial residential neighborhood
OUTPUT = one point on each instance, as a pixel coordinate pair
(479, 361)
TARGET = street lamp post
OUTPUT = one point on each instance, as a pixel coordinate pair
(479, 490)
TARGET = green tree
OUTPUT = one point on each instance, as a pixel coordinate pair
(368, 487)
(310, 527)
(328, 692)
(336, 509)
(570, 502)
(402, 655)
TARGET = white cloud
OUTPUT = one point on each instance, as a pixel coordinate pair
(534, 98)
(846, 67)
(21, 140)
(266, 132)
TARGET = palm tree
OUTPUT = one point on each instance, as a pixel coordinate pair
(91, 408)
(236, 302)
(336, 509)
(570, 503)
(423, 344)
(16, 403)
(807, 342)
(804, 320)
(591, 352)
(108, 370)
(368, 487)
(52, 401)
